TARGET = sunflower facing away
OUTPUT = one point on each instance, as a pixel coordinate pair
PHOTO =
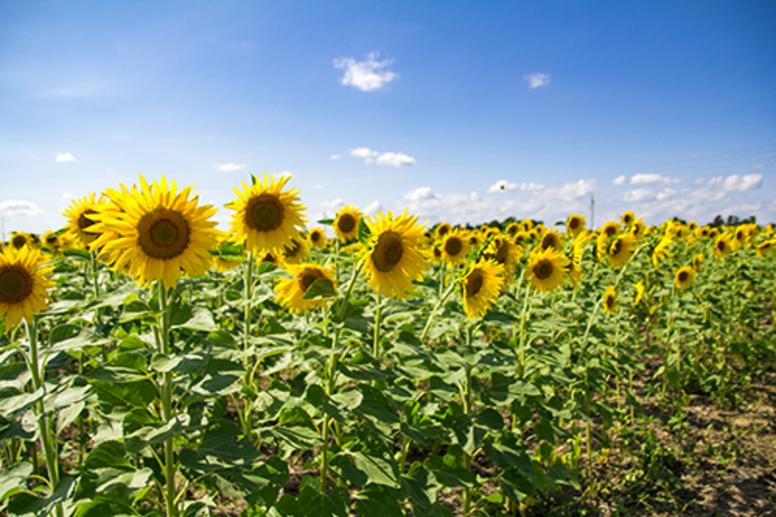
(394, 257)
(621, 249)
(346, 223)
(291, 291)
(454, 247)
(575, 223)
(79, 220)
(23, 283)
(504, 252)
(317, 237)
(267, 216)
(546, 269)
(610, 300)
(159, 231)
(684, 277)
(481, 286)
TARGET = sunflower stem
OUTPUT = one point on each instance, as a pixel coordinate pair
(167, 412)
(247, 296)
(435, 309)
(523, 334)
(44, 426)
(95, 270)
(376, 336)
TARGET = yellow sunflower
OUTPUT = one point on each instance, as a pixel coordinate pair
(610, 229)
(697, 260)
(552, 239)
(295, 251)
(638, 228)
(481, 287)
(24, 280)
(19, 240)
(574, 269)
(78, 216)
(684, 277)
(610, 300)
(51, 240)
(266, 216)
(442, 229)
(157, 232)
(346, 223)
(627, 217)
(317, 237)
(722, 246)
(765, 247)
(512, 228)
(638, 294)
(661, 251)
(454, 246)
(504, 252)
(394, 255)
(621, 249)
(575, 224)
(473, 240)
(546, 269)
(291, 291)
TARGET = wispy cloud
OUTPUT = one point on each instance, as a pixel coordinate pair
(65, 158)
(537, 80)
(369, 75)
(736, 183)
(387, 159)
(504, 185)
(229, 167)
(19, 207)
(645, 179)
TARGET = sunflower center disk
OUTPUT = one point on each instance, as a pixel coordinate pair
(543, 270)
(616, 247)
(453, 246)
(18, 241)
(388, 251)
(83, 220)
(265, 213)
(307, 278)
(346, 223)
(292, 250)
(683, 276)
(15, 285)
(163, 234)
(474, 283)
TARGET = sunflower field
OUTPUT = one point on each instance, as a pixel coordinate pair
(153, 364)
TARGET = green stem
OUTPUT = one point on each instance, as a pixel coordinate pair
(376, 336)
(167, 412)
(436, 308)
(247, 299)
(523, 334)
(95, 269)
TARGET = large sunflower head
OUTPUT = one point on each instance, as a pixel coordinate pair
(575, 224)
(610, 300)
(454, 246)
(317, 237)
(722, 246)
(481, 286)
(621, 249)
(346, 223)
(155, 231)
(295, 251)
(394, 255)
(546, 269)
(291, 291)
(24, 280)
(684, 277)
(267, 215)
(79, 219)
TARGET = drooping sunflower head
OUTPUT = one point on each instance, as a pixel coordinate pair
(442, 229)
(575, 223)
(627, 217)
(610, 301)
(24, 280)
(621, 249)
(481, 286)
(765, 247)
(722, 246)
(346, 223)
(684, 277)
(155, 231)
(638, 293)
(79, 219)
(394, 255)
(610, 229)
(266, 214)
(20, 240)
(546, 269)
(317, 237)
(291, 291)
(295, 251)
(454, 246)
(638, 229)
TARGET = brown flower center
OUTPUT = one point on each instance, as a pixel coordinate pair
(453, 246)
(163, 234)
(549, 241)
(346, 223)
(543, 270)
(388, 251)
(683, 276)
(292, 250)
(18, 241)
(15, 284)
(474, 282)
(83, 220)
(616, 247)
(610, 230)
(573, 223)
(264, 213)
(307, 278)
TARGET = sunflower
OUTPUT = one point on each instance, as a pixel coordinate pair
(621, 249)
(481, 286)
(521, 238)
(454, 247)
(684, 277)
(627, 217)
(51, 240)
(156, 231)
(346, 223)
(574, 269)
(546, 269)
(512, 228)
(697, 260)
(638, 228)
(473, 240)
(23, 283)
(552, 239)
(394, 255)
(295, 251)
(504, 252)
(610, 300)
(317, 237)
(610, 229)
(442, 229)
(765, 247)
(79, 219)
(661, 250)
(638, 294)
(722, 246)
(575, 223)
(19, 240)
(291, 291)
(266, 216)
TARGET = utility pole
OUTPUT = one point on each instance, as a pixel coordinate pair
(592, 211)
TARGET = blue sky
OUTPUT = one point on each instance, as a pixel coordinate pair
(459, 111)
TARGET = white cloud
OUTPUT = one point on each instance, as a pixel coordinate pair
(386, 159)
(504, 185)
(332, 205)
(570, 191)
(64, 157)
(335, 156)
(652, 179)
(537, 80)
(641, 195)
(368, 75)
(420, 194)
(736, 183)
(18, 207)
(229, 167)
(619, 180)
(372, 208)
